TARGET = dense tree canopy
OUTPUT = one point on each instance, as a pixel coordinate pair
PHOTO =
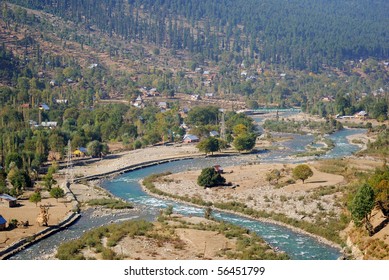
(299, 33)
(203, 115)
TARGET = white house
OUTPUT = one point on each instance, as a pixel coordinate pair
(190, 138)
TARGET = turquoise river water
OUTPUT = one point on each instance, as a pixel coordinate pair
(298, 246)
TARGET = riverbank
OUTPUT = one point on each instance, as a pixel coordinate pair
(170, 237)
(80, 192)
(176, 197)
(122, 161)
(116, 164)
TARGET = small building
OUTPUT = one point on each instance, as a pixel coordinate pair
(190, 138)
(49, 124)
(162, 105)
(93, 65)
(139, 99)
(154, 92)
(3, 223)
(184, 126)
(10, 200)
(218, 169)
(213, 133)
(361, 115)
(44, 107)
(61, 101)
(185, 110)
(138, 102)
(80, 152)
(195, 97)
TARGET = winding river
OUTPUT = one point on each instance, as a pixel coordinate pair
(297, 246)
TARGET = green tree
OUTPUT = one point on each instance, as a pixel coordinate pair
(35, 198)
(48, 178)
(381, 191)
(208, 213)
(302, 172)
(169, 210)
(96, 148)
(56, 142)
(239, 129)
(57, 192)
(13, 160)
(379, 181)
(203, 115)
(244, 142)
(361, 206)
(3, 182)
(19, 179)
(208, 145)
(209, 178)
(252, 104)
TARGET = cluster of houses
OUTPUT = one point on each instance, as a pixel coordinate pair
(149, 92)
(191, 138)
(139, 103)
(42, 107)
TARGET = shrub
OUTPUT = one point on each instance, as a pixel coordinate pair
(209, 177)
(57, 192)
(110, 203)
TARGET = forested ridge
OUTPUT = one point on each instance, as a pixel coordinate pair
(301, 34)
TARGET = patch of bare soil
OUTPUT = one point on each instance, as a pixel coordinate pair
(28, 211)
(178, 238)
(189, 244)
(250, 186)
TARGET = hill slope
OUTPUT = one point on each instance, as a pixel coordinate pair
(298, 33)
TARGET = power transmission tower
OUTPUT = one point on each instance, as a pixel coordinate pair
(222, 126)
(69, 176)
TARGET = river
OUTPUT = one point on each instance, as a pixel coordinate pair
(297, 246)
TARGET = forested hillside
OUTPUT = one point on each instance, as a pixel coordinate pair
(302, 34)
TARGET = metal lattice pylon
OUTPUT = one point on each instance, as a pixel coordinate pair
(222, 126)
(69, 176)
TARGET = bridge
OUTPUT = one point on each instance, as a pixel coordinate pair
(268, 110)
